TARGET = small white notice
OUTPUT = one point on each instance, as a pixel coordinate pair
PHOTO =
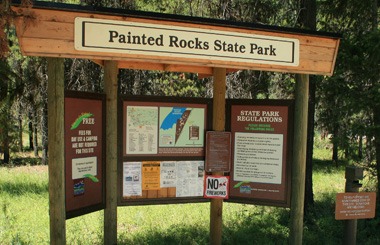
(82, 166)
(216, 187)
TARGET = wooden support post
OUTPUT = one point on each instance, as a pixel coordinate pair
(110, 212)
(56, 146)
(299, 159)
(218, 124)
(353, 175)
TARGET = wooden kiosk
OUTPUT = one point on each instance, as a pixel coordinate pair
(118, 39)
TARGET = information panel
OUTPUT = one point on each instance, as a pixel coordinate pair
(163, 149)
(164, 129)
(218, 151)
(355, 205)
(262, 137)
(84, 153)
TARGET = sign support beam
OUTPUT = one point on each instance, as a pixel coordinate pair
(57, 212)
(218, 124)
(110, 212)
(299, 159)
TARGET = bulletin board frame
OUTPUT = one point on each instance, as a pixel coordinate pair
(265, 174)
(162, 157)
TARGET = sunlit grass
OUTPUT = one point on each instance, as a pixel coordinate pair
(24, 217)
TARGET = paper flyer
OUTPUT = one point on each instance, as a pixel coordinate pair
(132, 179)
(151, 175)
(168, 174)
(190, 176)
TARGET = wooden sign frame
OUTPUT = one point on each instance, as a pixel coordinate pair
(142, 172)
(84, 151)
(264, 177)
(43, 31)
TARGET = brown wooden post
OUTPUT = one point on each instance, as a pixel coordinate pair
(299, 159)
(218, 124)
(353, 174)
(111, 91)
(57, 210)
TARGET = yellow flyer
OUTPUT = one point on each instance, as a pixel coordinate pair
(151, 176)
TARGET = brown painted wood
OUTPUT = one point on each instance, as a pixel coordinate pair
(57, 210)
(110, 212)
(48, 33)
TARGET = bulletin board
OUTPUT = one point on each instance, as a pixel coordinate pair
(84, 153)
(162, 149)
(262, 137)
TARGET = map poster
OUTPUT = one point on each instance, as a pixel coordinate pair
(261, 139)
(142, 125)
(84, 158)
(165, 129)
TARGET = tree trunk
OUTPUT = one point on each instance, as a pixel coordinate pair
(35, 135)
(376, 119)
(6, 150)
(5, 136)
(30, 131)
(376, 112)
(360, 147)
(44, 126)
(335, 145)
(20, 141)
(307, 19)
(309, 195)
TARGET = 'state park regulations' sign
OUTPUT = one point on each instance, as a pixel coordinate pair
(261, 138)
(84, 156)
(100, 35)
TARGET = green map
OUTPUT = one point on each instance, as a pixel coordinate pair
(181, 127)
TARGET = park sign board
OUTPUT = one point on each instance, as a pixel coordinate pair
(167, 42)
(352, 205)
(162, 149)
(84, 153)
(100, 35)
(262, 133)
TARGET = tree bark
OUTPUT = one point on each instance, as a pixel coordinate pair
(360, 147)
(335, 144)
(20, 143)
(44, 126)
(35, 139)
(307, 19)
(30, 130)
(376, 110)
(376, 120)
(309, 194)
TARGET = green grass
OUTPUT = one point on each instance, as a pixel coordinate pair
(24, 216)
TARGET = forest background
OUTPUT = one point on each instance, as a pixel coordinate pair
(345, 107)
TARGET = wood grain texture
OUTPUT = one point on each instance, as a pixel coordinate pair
(50, 33)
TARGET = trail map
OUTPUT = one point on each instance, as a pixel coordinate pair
(142, 130)
(181, 127)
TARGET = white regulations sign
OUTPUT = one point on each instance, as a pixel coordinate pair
(98, 35)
